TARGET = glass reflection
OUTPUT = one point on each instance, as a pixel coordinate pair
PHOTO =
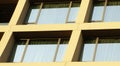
(111, 11)
(42, 50)
(88, 52)
(112, 14)
(108, 52)
(53, 16)
(97, 13)
(73, 14)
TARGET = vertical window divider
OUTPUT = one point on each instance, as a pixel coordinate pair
(105, 6)
(95, 50)
(58, 44)
(38, 15)
(67, 17)
(26, 45)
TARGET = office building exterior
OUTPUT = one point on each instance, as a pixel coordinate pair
(59, 32)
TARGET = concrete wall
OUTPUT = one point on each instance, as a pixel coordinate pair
(73, 49)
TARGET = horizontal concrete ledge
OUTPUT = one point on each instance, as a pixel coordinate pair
(34, 64)
(63, 64)
(100, 25)
(51, 27)
(93, 64)
(4, 28)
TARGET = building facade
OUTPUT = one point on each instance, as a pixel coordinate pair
(59, 32)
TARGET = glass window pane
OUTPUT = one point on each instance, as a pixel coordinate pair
(53, 16)
(40, 53)
(42, 50)
(53, 13)
(19, 53)
(97, 13)
(32, 14)
(74, 12)
(112, 13)
(88, 52)
(18, 50)
(39, 50)
(98, 9)
(108, 52)
(61, 52)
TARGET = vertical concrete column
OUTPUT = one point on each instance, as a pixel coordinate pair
(84, 11)
(4, 44)
(19, 12)
(72, 46)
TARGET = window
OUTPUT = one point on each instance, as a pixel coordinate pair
(6, 11)
(106, 11)
(39, 50)
(52, 13)
(101, 49)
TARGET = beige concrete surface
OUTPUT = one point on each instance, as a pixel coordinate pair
(72, 52)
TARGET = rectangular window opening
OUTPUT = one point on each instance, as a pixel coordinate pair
(39, 47)
(99, 46)
(52, 12)
(106, 11)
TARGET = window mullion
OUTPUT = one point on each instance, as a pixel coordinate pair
(67, 17)
(105, 6)
(95, 50)
(38, 15)
(26, 45)
(58, 44)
